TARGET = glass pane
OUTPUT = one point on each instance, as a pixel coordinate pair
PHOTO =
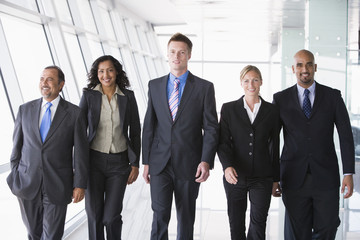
(29, 4)
(143, 40)
(77, 61)
(95, 48)
(63, 11)
(29, 51)
(133, 37)
(86, 15)
(6, 126)
(107, 23)
(151, 67)
(118, 27)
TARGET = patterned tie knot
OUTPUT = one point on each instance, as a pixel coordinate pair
(307, 104)
(176, 82)
(306, 92)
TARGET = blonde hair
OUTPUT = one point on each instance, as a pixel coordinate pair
(247, 69)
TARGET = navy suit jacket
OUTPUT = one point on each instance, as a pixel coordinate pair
(59, 164)
(129, 119)
(252, 149)
(188, 140)
(308, 143)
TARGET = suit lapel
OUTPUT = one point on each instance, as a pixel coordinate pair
(122, 102)
(188, 89)
(241, 111)
(318, 98)
(60, 114)
(162, 88)
(263, 111)
(35, 118)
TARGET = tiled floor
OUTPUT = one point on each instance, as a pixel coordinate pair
(211, 217)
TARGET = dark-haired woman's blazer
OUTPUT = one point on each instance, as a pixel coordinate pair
(129, 119)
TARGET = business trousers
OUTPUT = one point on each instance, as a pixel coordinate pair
(312, 213)
(43, 219)
(105, 193)
(259, 190)
(162, 188)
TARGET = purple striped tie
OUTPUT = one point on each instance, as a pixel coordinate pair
(174, 99)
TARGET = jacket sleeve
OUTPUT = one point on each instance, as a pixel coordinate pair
(225, 148)
(135, 130)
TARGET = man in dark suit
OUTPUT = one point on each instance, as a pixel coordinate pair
(180, 136)
(49, 160)
(309, 170)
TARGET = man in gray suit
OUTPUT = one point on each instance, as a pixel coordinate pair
(49, 160)
(180, 138)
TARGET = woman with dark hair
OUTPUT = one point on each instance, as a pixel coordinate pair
(114, 137)
(249, 153)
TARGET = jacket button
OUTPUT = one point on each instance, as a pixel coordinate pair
(250, 153)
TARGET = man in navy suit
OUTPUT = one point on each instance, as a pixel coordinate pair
(309, 170)
(180, 138)
(48, 170)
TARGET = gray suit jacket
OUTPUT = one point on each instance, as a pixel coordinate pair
(59, 164)
(187, 141)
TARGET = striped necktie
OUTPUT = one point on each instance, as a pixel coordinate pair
(174, 99)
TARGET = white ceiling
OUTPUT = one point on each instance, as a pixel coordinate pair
(227, 22)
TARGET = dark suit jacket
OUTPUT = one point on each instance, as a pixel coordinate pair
(59, 164)
(187, 141)
(129, 119)
(252, 149)
(309, 142)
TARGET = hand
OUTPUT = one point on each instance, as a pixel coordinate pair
(133, 175)
(78, 194)
(203, 172)
(146, 174)
(231, 175)
(276, 190)
(348, 182)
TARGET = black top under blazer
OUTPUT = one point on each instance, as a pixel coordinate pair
(129, 119)
(309, 144)
(252, 149)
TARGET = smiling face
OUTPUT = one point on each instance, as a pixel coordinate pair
(251, 83)
(107, 74)
(49, 84)
(178, 56)
(304, 68)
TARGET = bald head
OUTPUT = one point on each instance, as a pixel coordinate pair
(304, 68)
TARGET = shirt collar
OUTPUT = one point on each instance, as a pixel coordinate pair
(182, 78)
(54, 102)
(246, 106)
(301, 89)
(117, 90)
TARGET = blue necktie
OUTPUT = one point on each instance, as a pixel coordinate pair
(45, 122)
(307, 104)
(174, 99)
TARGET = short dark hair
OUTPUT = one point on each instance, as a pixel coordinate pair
(178, 37)
(61, 74)
(121, 79)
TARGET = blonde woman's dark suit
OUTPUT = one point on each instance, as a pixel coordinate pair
(129, 119)
(253, 150)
